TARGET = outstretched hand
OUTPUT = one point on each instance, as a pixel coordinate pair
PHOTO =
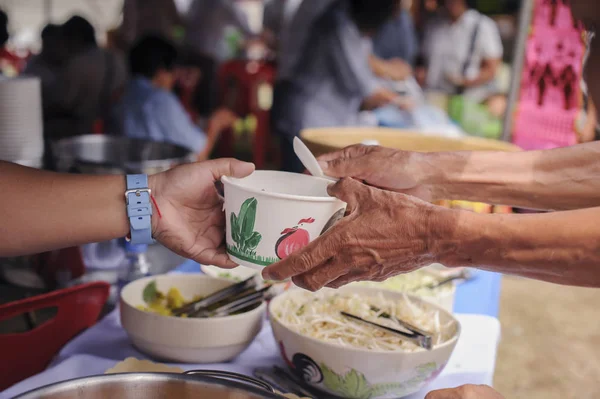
(192, 222)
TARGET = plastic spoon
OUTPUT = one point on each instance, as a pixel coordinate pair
(308, 160)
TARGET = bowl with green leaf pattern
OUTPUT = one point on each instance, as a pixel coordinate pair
(348, 358)
(271, 214)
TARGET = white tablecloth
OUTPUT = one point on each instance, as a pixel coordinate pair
(105, 344)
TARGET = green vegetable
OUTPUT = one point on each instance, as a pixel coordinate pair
(150, 293)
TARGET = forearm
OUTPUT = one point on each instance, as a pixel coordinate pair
(559, 179)
(559, 247)
(41, 211)
(487, 73)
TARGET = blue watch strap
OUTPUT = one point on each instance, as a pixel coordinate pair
(139, 209)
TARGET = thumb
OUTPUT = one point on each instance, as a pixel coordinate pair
(229, 167)
(350, 191)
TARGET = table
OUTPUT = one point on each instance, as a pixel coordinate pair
(105, 344)
(473, 361)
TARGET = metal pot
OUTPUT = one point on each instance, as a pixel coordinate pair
(190, 385)
(105, 154)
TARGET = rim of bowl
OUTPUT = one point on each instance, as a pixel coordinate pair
(274, 319)
(208, 272)
(305, 198)
(261, 307)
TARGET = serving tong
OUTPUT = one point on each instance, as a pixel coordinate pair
(287, 382)
(235, 298)
(413, 334)
(464, 275)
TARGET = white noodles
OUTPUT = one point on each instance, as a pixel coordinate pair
(317, 315)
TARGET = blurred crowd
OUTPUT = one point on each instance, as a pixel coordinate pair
(339, 63)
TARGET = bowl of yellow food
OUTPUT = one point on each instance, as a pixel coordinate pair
(147, 306)
(350, 359)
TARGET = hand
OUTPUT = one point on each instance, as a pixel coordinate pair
(385, 234)
(465, 392)
(193, 222)
(381, 167)
(456, 80)
(398, 69)
(384, 96)
(220, 120)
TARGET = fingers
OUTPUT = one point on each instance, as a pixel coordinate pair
(349, 278)
(319, 277)
(343, 163)
(444, 394)
(314, 254)
(229, 167)
(350, 191)
(216, 257)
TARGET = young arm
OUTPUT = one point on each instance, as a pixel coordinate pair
(42, 211)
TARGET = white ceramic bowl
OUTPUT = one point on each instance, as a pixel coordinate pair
(361, 373)
(184, 340)
(271, 214)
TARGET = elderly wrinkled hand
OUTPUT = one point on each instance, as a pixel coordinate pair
(192, 222)
(384, 234)
(381, 167)
(465, 392)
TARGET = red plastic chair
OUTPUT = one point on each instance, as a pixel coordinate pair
(29, 353)
(239, 85)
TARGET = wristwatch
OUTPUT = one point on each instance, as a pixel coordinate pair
(139, 209)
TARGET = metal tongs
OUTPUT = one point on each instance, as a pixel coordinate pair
(232, 290)
(245, 301)
(413, 334)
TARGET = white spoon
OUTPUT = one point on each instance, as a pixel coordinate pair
(308, 160)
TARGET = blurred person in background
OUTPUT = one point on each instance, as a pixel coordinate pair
(462, 52)
(277, 16)
(206, 45)
(48, 63)
(88, 83)
(149, 109)
(10, 64)
(145, 17)
(395, 46)
(324, 76)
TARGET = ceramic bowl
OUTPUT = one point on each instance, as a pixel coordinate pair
(271, 214)
(361, 373)
(187, 340)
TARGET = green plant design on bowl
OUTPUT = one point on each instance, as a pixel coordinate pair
(243, 235)
(354, 384)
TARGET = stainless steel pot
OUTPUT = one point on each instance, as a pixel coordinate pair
(105, 154)
(191, 385)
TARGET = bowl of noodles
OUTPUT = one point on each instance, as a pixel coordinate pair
(146, 308)
(349, 359)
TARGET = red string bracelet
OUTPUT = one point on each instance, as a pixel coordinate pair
(128, 236)
(156, 206)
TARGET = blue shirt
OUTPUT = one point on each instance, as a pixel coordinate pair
(397, 39)
(150, 113)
